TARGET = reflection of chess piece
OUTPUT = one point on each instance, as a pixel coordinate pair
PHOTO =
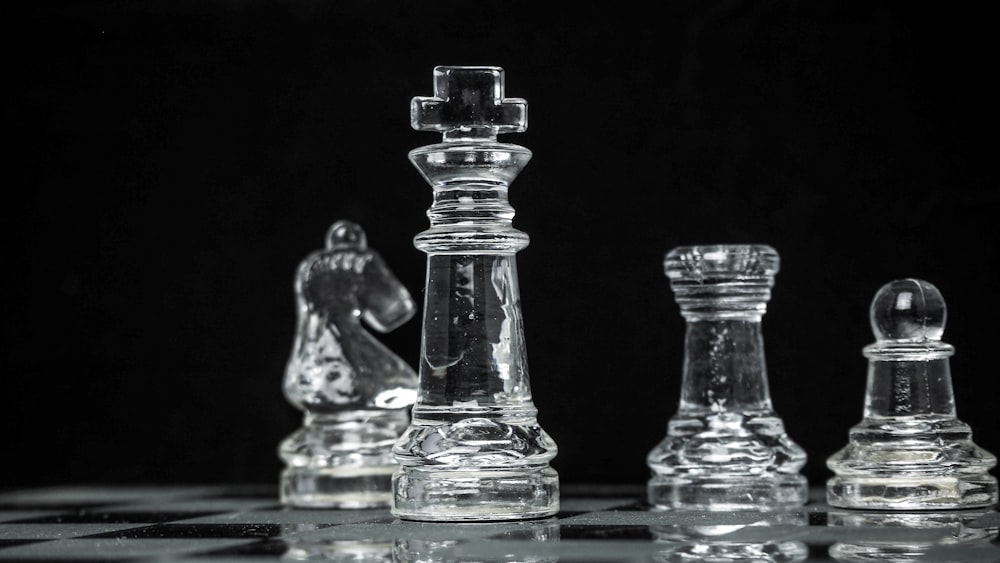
(474, 449)
(345, 551)
(483, 542)
(769, 538)
(355, 392)
(529, 541)
(725, 448)
(912, 536)
(910, 451)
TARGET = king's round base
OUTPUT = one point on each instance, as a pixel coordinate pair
(747, 492)
(943, 492)
(473, 494)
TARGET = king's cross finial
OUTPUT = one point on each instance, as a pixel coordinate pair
(468, 102)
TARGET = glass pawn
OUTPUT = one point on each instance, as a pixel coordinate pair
(910, 451)
(725, 448)
(474, 449)
(354, 391)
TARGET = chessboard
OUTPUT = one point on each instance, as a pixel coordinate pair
(216, 523)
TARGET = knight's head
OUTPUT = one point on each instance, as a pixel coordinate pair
(346, 235)
(347, 279)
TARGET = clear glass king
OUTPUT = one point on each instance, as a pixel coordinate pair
(474, 450)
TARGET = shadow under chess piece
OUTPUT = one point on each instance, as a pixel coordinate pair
(910, 451)
(474, 449)
(726, 448)
(355, 392)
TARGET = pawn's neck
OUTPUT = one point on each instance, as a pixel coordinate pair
(909, 380)
(909, 372)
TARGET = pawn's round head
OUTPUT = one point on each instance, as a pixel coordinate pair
(908, 310)
(346, 235)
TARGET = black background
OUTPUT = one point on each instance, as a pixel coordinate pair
(170, 163)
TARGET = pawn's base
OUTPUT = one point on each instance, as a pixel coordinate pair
(942, 492)
(745, 492)
(459, 495)
(347, 487)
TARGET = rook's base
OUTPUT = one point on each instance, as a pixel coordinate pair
(749, 492)
(943, 492)
(450, 495)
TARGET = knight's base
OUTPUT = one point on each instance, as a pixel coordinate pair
(942, 492)
(460, 495)
(341, 460)
(746, 492)
(344, 487)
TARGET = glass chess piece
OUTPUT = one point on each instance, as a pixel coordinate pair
(474, 449)
(354, 391)
(726, 448)
(910, 451)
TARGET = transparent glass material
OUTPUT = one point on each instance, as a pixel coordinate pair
(354, 391)
(910, 451)
(462, 543)
(474, 449)
(737, 540)
(726, 448)
(315, 547)
(910, 536)
(529, 541)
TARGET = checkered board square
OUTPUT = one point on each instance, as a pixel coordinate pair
(247, 523)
